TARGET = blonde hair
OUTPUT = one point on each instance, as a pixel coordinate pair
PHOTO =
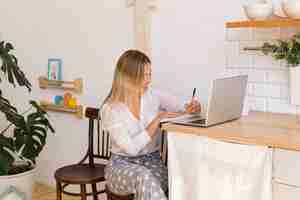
(128, 76)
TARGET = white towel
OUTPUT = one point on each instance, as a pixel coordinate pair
(207, 169)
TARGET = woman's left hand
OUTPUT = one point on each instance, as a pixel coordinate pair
(193, 107)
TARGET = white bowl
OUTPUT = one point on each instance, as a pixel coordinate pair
(291, 8)
(258, 11)
(277, 8)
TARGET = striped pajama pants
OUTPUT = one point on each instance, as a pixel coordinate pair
(144, 176)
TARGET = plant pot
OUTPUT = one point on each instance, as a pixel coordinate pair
(23, 182)
(294, 75)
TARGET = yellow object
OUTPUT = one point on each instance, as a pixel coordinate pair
(72, 103)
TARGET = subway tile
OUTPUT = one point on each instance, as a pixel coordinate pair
(257, 76)
(234, 58)
(257, 103)
(266, 90)
(232, 48)
(284, 92)
(238, 34)
(250, 44)
(259, 90)
(298, 110)
(232, 72)
(239, 61)
(265, 62)
(278, 76)
(284, 64)
(266, 33)
(280, 106)
(287, 33)
(272, 91)
(249, 89)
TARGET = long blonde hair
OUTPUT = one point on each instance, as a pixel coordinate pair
(128, 76)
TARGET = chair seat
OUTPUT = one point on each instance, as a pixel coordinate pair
(80, 174)
(113, 196)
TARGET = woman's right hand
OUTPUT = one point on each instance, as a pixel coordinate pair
(152, 127)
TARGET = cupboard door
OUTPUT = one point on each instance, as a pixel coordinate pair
(286, 166)
(285, 192)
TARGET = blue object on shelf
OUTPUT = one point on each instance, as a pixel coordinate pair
(58, 99)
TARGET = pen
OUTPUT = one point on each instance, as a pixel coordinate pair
(194, 92)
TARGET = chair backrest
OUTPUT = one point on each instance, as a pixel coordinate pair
(99, 142)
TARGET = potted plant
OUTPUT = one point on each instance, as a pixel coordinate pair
(289, 51)
(25, 136)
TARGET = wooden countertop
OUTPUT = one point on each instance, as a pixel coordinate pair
(258, 128)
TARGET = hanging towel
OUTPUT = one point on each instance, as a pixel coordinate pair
(206, 169)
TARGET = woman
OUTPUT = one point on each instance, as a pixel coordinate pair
(131, 114)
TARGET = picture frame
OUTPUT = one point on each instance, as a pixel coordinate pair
(54, 69)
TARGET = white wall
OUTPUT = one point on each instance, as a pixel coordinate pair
(188, 45)
(88, 36)
(268, 88)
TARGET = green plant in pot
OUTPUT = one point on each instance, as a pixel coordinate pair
(289, 51)
(25, 136)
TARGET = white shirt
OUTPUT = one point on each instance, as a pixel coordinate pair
(128, 135)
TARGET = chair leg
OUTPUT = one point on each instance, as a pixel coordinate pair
(94, 189)
(83, 192)
(58, 190)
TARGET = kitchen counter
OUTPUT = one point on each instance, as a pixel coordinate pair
(258, 128)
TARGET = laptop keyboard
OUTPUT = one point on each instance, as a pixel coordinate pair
(198, 121)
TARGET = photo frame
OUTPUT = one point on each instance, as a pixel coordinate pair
(54, 69)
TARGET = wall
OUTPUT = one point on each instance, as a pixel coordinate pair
(190, 47)
(188, 44)
(89, 36)
(268, 79)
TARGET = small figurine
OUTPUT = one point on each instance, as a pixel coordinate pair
(72, 103)
(58, 99)
(67, 98)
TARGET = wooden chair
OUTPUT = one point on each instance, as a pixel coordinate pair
(91, 172)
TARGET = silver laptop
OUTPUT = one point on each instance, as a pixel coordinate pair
(225, 103)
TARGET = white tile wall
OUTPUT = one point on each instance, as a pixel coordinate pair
(239, 34)
(268, 88)
(266, 34)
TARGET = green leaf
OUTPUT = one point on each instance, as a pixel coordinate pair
(6, 159)
(10, 66)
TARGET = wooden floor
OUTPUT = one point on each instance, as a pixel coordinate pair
(43, 192)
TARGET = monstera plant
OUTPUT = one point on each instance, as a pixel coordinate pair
(25, 133)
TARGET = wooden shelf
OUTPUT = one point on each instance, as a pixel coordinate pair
(75, 85)
(271, 23)
(77, 111)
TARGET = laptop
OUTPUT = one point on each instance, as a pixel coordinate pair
(225, 103)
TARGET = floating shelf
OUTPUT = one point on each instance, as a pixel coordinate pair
(78, 110)
(75, 85)
(270, 23)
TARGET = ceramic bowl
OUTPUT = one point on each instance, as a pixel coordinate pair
(258, 11)
(291, 8)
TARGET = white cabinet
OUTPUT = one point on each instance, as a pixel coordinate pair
(285, 192)
(286, 175)
(286, 167)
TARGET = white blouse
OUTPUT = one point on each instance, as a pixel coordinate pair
(128, 135)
